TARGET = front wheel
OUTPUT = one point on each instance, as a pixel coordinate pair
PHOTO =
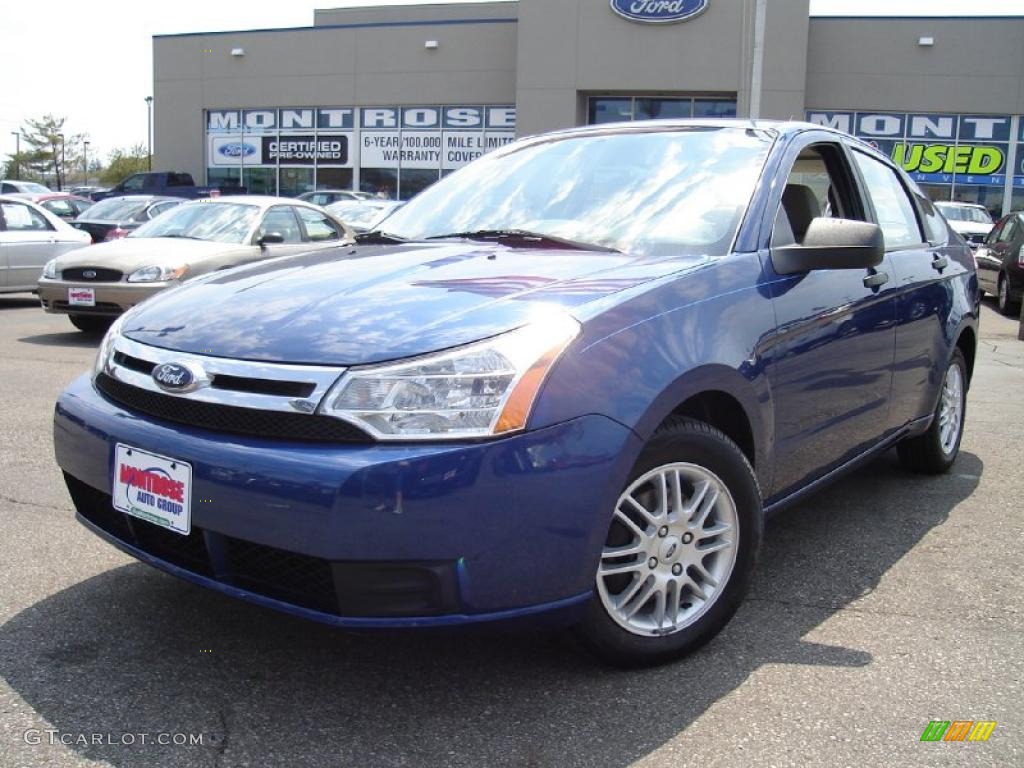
(935, 451)
(680, 549)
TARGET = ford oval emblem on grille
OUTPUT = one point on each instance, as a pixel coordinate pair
(89, 274)
(659, 11)
(176, 377)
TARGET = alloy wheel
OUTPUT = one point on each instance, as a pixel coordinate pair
(951, 409)
(670, 549)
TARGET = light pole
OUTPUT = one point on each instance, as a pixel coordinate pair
(60, 172)
(17, 153)
(149, 133)
(85, 160)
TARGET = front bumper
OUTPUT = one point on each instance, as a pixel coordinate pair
(111, 298)
(509, 528)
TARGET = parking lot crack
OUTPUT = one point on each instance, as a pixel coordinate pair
(222, 746)
(12, 500)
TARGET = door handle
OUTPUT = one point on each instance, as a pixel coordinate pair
(876, 280)
(940, 262)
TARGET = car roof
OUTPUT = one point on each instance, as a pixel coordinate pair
(781, 127)
(959, 204)
(264, 201)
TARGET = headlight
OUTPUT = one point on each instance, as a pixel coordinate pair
(478, 390)
(50, 270)
(106, 348)
(156, 274)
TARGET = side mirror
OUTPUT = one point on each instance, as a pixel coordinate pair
(832, 244)
(271, 238)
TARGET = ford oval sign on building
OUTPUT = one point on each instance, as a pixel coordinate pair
(659, 11)
(237, 149)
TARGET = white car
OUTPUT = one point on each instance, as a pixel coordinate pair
(972, 222)
(14, 186)
(30, 236)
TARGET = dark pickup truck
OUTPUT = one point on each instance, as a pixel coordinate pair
(167, 183)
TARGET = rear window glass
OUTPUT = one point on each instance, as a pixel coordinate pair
(115, 209)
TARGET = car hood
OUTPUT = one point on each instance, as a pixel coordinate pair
(970, 228)
(133, 253)
(366, 304)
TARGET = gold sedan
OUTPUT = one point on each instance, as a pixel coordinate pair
(94, 285)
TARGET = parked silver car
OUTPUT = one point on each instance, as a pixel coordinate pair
(30, 236)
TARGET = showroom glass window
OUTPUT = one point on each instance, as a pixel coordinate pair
(618, 109)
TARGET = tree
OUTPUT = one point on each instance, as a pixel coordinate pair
(48, 150)
(123, 163)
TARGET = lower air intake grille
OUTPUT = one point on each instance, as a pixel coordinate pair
(358, 589)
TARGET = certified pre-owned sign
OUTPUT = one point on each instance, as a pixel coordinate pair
(659, 11)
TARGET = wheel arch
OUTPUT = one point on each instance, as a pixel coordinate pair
(721, 397)
(967, 343)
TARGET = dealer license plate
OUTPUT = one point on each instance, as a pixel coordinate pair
(81, 297)
(153, 488)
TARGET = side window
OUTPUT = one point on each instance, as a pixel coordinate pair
(993, 236)
(934, 224)
(59, 208)
(8, 189)
(817, 186)
(318, 226)
(281, 220)
(159, 208)
(81, 206)
(892, 206)
(1009, 231)
(134, 183)
(21, 218)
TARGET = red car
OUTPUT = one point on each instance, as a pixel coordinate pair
(60, 204)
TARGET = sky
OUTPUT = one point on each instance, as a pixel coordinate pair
(93, 63)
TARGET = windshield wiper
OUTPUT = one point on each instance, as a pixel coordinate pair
(377, 236)
(184, 237)
(525, 234)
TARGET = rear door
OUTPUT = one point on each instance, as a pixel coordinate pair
(831, 361)
(29, 241)
(997, 252)
(925, 264)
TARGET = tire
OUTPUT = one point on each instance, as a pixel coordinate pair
(701, 457)
(930, 454)
(1007, 306)
(91, 323)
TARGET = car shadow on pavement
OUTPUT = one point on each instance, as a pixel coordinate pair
(69, 339)
(133, 651)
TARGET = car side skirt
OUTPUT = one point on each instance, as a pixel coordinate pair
(913, 428)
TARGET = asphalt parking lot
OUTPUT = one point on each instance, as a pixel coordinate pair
(883, 603)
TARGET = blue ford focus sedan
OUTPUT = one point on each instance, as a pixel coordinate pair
(562, 386)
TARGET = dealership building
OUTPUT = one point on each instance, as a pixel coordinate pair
(389, 99)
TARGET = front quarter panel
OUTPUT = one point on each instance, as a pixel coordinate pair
(639, 361)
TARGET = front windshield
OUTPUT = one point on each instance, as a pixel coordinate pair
(964, 213)
(217, 222)
(115, 209)
(644, 192)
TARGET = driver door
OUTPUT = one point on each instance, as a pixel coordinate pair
(831, 365)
